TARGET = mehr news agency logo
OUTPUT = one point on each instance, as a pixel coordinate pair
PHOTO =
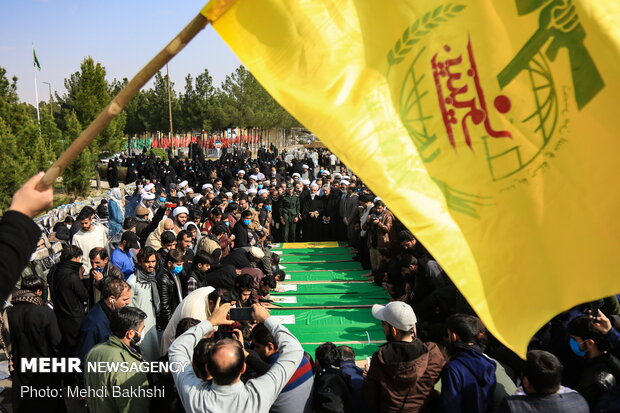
(74, 365)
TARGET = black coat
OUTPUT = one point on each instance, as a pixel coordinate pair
(141, 227)
(596, 374)
(190, 271)
(68, 295)
(221, 276)
(34, 331)
(34, 334)
(146, 231)
(307, 205)
(240, 232)
(238, 258)
(332, 205)
(63, 233)
(18, 240)
(102, 210)
(112, 174)
(168, 297)
(332, 392)
(188, 256)
(311, 227)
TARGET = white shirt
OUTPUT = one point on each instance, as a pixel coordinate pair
(96, 237)
(195, 305)
(257, 395)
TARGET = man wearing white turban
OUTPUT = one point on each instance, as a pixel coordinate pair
(179, 216)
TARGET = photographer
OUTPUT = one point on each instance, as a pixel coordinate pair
(380, 225)
(226, 363)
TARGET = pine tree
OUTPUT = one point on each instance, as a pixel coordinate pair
(52, 135)
(158, 118)
(87, 94)
(207, 95)
(77, 176)
(11, 166)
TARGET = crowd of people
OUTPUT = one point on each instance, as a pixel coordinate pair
(192, 244)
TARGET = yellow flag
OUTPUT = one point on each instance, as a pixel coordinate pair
(490, 128)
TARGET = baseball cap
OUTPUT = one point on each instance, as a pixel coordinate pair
(398, 314)
(131, 238)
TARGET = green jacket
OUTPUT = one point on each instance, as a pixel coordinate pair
(290, 206)
(114, 351)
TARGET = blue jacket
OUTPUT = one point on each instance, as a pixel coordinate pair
(124, 261)
(468, 382)
(357, 383)
(95, 329)
(131, 204)
(115, 218)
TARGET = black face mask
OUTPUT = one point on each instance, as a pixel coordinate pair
(137, 339)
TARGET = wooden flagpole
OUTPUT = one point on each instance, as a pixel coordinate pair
(124, 96)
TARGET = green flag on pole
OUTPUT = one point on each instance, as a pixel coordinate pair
(36, 61)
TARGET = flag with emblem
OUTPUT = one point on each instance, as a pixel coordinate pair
(489, 128)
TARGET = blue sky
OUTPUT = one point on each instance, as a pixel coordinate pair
(121, 35)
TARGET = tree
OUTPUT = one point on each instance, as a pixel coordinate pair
(87, 94)
(24, 149)
(240, 102)
(137, 111)
(198, 104)
(8, 89)
(36, 153)
(207, 96)
(77, 176)
(240, 98)
(15, 113)
(52, 135)
(245, 103)
(11, 165)
(190, 112)
(157, 104)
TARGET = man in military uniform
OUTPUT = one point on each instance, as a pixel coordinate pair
(289, 215)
